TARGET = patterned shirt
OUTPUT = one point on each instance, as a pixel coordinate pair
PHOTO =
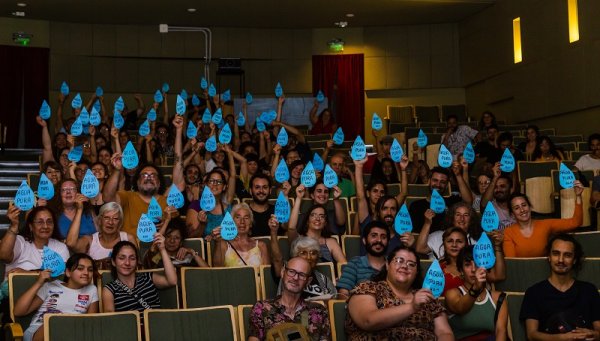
(458, 140)
(269, 313)
(143, 289)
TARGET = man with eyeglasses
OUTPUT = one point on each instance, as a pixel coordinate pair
(290, 307)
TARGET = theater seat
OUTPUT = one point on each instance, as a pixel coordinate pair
(211, 323)
(123, 326)
(205, 287)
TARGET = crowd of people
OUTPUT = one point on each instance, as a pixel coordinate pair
(383, 286)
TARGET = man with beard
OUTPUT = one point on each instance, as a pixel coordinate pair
(500, 189)
(562, 304)
(290, 307)
(262, 211)
(361, 268)
(457, 137)
(191, 176)
(148, 184)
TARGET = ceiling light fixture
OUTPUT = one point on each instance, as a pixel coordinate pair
(341, 24)
(21, 4)
(18, 14)
(191, 10)
(350, 15)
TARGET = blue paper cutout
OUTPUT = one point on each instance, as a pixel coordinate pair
(158, 97)
(469, 153)
(154, 211)
(226, 96)
(490, 220)
(206, 116)
(75, 153)
(217, 117)
(97, 106)
(90, 187)
(24, 199)
(119, 105)
(330, 178)
(434, 279)
(282, 208)
(180, 106)
(249, 98)
(151, 115)
(203, 83)
(282, 137)
(376, 122)
(241, 119)
(260, 125)
(144, 128)
(45, 188)
(272, 116)
(52, 261)
(507, 162)
(76, 102)
(403, 222)
(225, 134)
(175, 197)
(421, 139)
(396, 151)
(146, 229)
(191, 131)
(437, 204)
(165, 87)
(86, 129)
(338, 136)
(444, 157)
(84, 116)
(318, 163)
(77, 127)
(64, 88)
(99, 91)
(95, 118)
(212, 91)
(278, 90)
(207, 200)
(195, 100)
(566, 177)
(118, 120)
(184, 94)
(130, 158)
(483, 253)
(228, 228)
(282, 173)
(359, 150)
(320, 96)
(211, 144)
(45, 111)
(308, 177)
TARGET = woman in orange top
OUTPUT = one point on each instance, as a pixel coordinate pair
(528, 237)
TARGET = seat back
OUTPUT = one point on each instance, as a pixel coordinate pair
(400, 114)
(18, 283)
(244, 320)
(566, 138)
(460, 110)
(351, 246)
(337, 316)
(318, 137)
(427, 113)
(197, 244)
(431, 154)
(567, 204)
(530, 169)
(33, 179)
(205, 287)
(516, 326)
(539, 192)
(521, 273)
(589, 242)
(327, 269)
(284, 246)
(211, 323)
(123, 326)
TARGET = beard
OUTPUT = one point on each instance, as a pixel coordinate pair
(259, 201)
(370, 249)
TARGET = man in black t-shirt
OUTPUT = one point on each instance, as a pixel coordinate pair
(562, 304)
(260, 189)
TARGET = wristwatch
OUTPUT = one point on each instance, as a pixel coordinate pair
(474, 293)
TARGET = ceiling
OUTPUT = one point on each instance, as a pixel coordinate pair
(249, 13)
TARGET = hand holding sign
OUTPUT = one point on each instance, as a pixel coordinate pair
(376, 122)
(45, 111)
(320, 96)
(330, 178)
(45, 188)
(154, 211)
(566, 177)
(282, 137)
(241, 119)
(175, 197)
(507, 162)
(483, 253)
(437, 204)
(64, 89)
(469, 153)
(158, 96)
(180, 105)
(151, 115)
(318, 163)
(278, 90)
(77, 127)
(359, 150)
(217, 117)
(203, 83)
(308, 177)
(144, 128)
(226, 96)
(75, 153)
(282, 208)
(444, 157)
(212, 91)
(225, 134)
(249, 98)
(130, 157)
(90, 187)
(95, 118)
(490, 219)
(282, 173)
(146, 229)
(403, 222)
(396, 151)
(52, 261)
(434, 279)
(118, 120)
(338, 136)
(207, 200)
(211, 144)
(421, 139)
(206, 116)
(76, 102)
(195, 100)
(228, 228)
(24, 199)
(191, 131)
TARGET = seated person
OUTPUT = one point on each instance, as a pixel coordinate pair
(595, 197)
(546, 151)
(590, 161)
(180, 255)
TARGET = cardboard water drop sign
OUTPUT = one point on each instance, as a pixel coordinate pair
(308, 177)
(402, 222)
(434, 279)
(206, 116)
(317, 162)
(154, 211)
(90, 187)
(212, 91)
(483, 253)
(184, 94)
(203, 83)
(144, 128)
(45, 111)
(76, 102)
(268, 116)
(260, 125)
(226, 96)
(282, 137)
(469, 153)
(158, 97)
(165, 87)
(376, 122)
(77, 127)
(282, 209)
(421, 139)
(225, 134)
(75, 153)
(211, 144)
(99, 91)
(507, 162)
(84, 116)
(180, 106)
(338, 136)
(396, 151)
(195, 100)
(45, 188)
(146, 229)
(191, 131)
(282, 173)
(64, 89)
(320, 96)
(118, 120)
(217, 117)
(278, 90)
(241, 119)
(444, 157)
(24, 199)
(566, 177)
(207, 200)
(330, 178)
(175, 197)
(437, 204)
(249, 98)
(97, 105)
(130, 157)
(52, 261)
(95, 118)
(359, 150)
(490, 220)
(119, 105)
(228, 228)
(151, 115)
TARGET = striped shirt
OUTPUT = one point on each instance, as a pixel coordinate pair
(144, 288)
(356, 271)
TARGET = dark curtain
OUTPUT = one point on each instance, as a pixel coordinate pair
(24, 75)
(341, 78)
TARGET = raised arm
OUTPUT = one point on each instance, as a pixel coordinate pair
(59, 123)
(111, 185)
(231, 182)
(47, 154)
(276, 256)
(76, 244)
(141, 108)
(169, 279)
(402, 165)
(178, 178)
(361, 198)
(463, 187)
(29, 302)
(293, 223)
(421, 245)
(292, 130)
(498, 272)
(314, 118)
(94, 156)
(489, 191)
(8, 241)
(280, 102)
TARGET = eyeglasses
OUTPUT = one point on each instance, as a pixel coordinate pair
(111, 219)
(149, 175)
(318, 216)
(484, 182)
(311, 253)
(68, 189)
(215, 182)
(293, 273)
(399, 261)
(86, 145)
(40, 222)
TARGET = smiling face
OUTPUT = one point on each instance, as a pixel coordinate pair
(54, 175)
(317, 219)
(80, 171)
(438, 181)
(83, 273)
(375, 193)
(387, 168)
(502, 190)
(320, 194)
(148, 182)
(243, 221)
(531, 134)
(110, 222)
(295, 275)
(99, 172)
(388, 211)
(126, 261)
(104, 157)
(520, 209)
(216, 183)
(68, 192)
(337, 164)
(297, 171)
(462, 218)
(192, 174)
(64, 158)
(483, 181)
(403, 268)
(595, 148)
(562, 257)
(376, 242)
(453, 244)
(260, 190)
(291, 156)
(43, 225)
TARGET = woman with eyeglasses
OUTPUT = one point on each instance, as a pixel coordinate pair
(392, 306)
(100, 244)
(71, 203)
(179, 254)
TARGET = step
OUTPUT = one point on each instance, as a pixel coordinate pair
(19, 164)
(16, 172)
(11, 181)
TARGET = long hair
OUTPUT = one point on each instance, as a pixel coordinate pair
(303, 228)
(73, 262)
(115, 251)
(474, 229)
(446, 234)
(382, 274)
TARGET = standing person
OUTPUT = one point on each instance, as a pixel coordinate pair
(590, 161)
(457, 136)
(528, 146)
(562, 304)
(72, 204)
(322, 123)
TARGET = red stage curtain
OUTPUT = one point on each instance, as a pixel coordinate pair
(347, 100)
